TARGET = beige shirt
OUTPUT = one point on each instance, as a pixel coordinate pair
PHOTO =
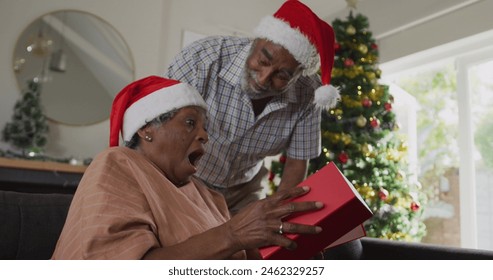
(124, 206)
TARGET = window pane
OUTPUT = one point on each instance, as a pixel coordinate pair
(481, 83)
(438, 156)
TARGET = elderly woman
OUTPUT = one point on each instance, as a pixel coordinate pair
(143, 202)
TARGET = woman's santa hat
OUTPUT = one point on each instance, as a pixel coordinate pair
(309, 39)
(145, 99)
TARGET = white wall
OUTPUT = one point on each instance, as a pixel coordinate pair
(212, 17)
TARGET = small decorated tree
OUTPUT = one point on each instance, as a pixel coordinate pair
(360, 137)
(28, 128)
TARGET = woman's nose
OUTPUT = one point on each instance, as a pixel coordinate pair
(204, 136)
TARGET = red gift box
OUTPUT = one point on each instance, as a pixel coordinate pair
(341, 218)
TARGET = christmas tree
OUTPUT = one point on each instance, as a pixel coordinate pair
(360, 137)
(28, 128)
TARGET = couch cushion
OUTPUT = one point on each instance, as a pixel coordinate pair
(31, 223)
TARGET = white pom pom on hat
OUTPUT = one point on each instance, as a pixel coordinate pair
(309, 39)
(145, 99)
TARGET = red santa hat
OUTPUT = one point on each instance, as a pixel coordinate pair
(309, 39)
(146, 99)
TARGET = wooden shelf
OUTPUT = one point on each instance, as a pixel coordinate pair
(39, 176)
(41, 165)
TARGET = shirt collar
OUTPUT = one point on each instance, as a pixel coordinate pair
(233, 72)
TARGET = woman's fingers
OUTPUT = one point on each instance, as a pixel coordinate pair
(280, 239)
(260, 223)
(279, 202)
(300, 228)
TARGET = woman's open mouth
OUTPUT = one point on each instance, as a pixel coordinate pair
(194, 157)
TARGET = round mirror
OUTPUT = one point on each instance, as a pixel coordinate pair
(80, 61)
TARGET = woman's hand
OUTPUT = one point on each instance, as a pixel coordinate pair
(259, 224)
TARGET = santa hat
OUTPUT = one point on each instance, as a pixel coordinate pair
(309, 39)
(145, 99)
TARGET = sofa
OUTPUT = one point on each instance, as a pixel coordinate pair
(30, 224)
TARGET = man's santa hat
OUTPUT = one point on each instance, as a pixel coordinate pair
(309, 39)
(145, 99)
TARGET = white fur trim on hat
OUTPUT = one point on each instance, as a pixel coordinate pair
(326, 97)
(292, 39)
(157, 103)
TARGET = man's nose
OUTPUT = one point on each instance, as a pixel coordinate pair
(264, 76)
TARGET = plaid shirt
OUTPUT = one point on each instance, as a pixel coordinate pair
(238, 140)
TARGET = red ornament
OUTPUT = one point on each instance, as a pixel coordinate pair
(282, 159)
(271, 176)
(383, 194)
(388, 106)
(343, 157)
(348, 62)
(337, 46)
(415, 206)
(366, 102)
(374, 46)
(375, 123)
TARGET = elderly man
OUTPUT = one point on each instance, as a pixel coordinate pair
(264, 97)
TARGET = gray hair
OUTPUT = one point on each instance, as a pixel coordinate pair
(157, 121)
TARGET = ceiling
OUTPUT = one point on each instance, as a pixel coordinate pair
(387, 17)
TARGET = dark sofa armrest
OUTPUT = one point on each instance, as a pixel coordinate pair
(31, 223)
(380, 249)
(368, 248)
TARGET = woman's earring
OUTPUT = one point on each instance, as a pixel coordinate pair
(148, 138)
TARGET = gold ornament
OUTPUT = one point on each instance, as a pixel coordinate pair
(359, 69)
(350, 102)
(403, 147)
(361, 121)
(363, 48)
(336, 137)
(371, 58)
(346, 139)
(327, 135)
(366, 191)
(350, 73)
(336, 72)
(367, 150)
(371, 75)
(392, 155)
(350, 30)
(378, 72)
(396, 236)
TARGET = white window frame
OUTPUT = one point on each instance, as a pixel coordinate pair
(466, 53)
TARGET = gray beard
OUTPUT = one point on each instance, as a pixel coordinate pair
(254, 94)
(259, 95)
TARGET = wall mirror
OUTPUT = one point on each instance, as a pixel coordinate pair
(81, 61)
